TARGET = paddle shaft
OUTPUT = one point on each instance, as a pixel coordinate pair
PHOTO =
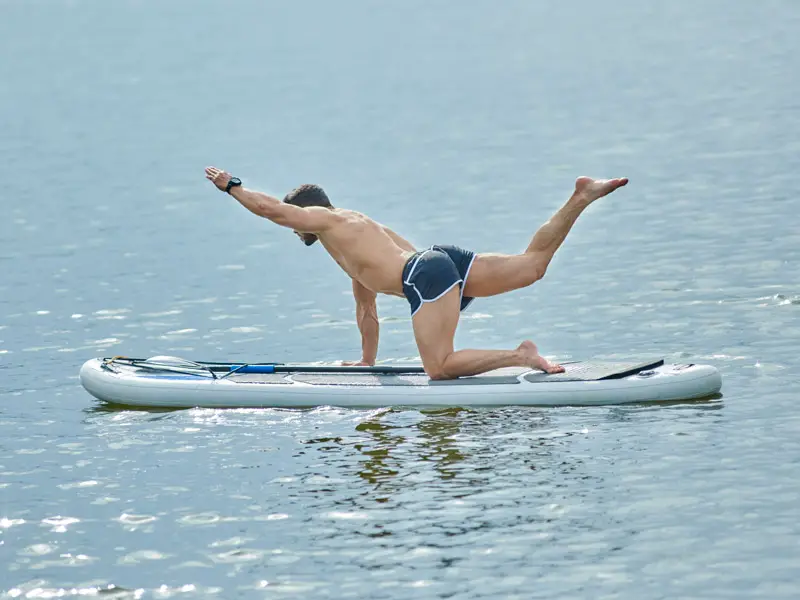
(231, 368)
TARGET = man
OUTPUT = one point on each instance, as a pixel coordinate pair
(438, 282)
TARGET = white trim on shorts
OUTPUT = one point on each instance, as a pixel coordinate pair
(464, 284)
(437, 297)
(414, 266)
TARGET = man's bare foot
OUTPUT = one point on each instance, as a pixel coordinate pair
(591, 189)
(535, 360)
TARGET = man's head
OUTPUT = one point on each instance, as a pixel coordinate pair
(305, 196)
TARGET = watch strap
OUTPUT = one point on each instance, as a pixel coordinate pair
(233, 182)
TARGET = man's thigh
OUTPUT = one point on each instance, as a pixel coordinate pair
(493, 274)
(435, 327)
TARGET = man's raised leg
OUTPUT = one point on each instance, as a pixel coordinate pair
(434, 329)
(493, 274)
(550, 235)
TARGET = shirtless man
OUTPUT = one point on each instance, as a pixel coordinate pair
(438, 282)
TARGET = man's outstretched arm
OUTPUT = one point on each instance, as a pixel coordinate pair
(304, 220)
(367, 319)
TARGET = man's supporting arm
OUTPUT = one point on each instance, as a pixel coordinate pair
(367, 319)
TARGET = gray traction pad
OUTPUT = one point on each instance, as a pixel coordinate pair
(594, 370)
(399, 380)
(576, 371)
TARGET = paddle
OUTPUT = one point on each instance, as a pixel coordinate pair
(178, 365)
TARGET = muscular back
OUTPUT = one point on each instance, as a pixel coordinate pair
(369, 252)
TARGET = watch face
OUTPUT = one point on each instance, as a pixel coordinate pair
(233, 182)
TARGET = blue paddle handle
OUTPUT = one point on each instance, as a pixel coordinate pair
(253, 368)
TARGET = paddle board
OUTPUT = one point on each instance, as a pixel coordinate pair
(164, 381)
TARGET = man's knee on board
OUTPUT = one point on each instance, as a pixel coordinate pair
(435, 370)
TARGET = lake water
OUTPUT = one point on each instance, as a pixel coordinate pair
(452, 122)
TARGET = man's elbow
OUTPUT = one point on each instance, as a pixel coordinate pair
(279, 217)
(269, 211)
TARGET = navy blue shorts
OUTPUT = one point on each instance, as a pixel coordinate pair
(430, 274)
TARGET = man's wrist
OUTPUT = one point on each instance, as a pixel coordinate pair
(233, 182)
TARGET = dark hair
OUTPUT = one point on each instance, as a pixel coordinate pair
(307, 195)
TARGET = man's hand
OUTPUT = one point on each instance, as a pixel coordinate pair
(218, 177)
(360, 363)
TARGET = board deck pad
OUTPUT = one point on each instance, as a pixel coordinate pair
(592, 370)
(394, 380)
(575, 371)
(595, 370)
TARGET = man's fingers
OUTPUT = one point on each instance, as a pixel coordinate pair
(215, 175)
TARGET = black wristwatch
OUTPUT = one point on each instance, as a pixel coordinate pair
(234, 181)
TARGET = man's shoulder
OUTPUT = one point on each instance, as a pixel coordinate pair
(331, 215)
(347, 212)
(353, 217)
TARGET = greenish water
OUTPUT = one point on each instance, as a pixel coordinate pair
(452, 123)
